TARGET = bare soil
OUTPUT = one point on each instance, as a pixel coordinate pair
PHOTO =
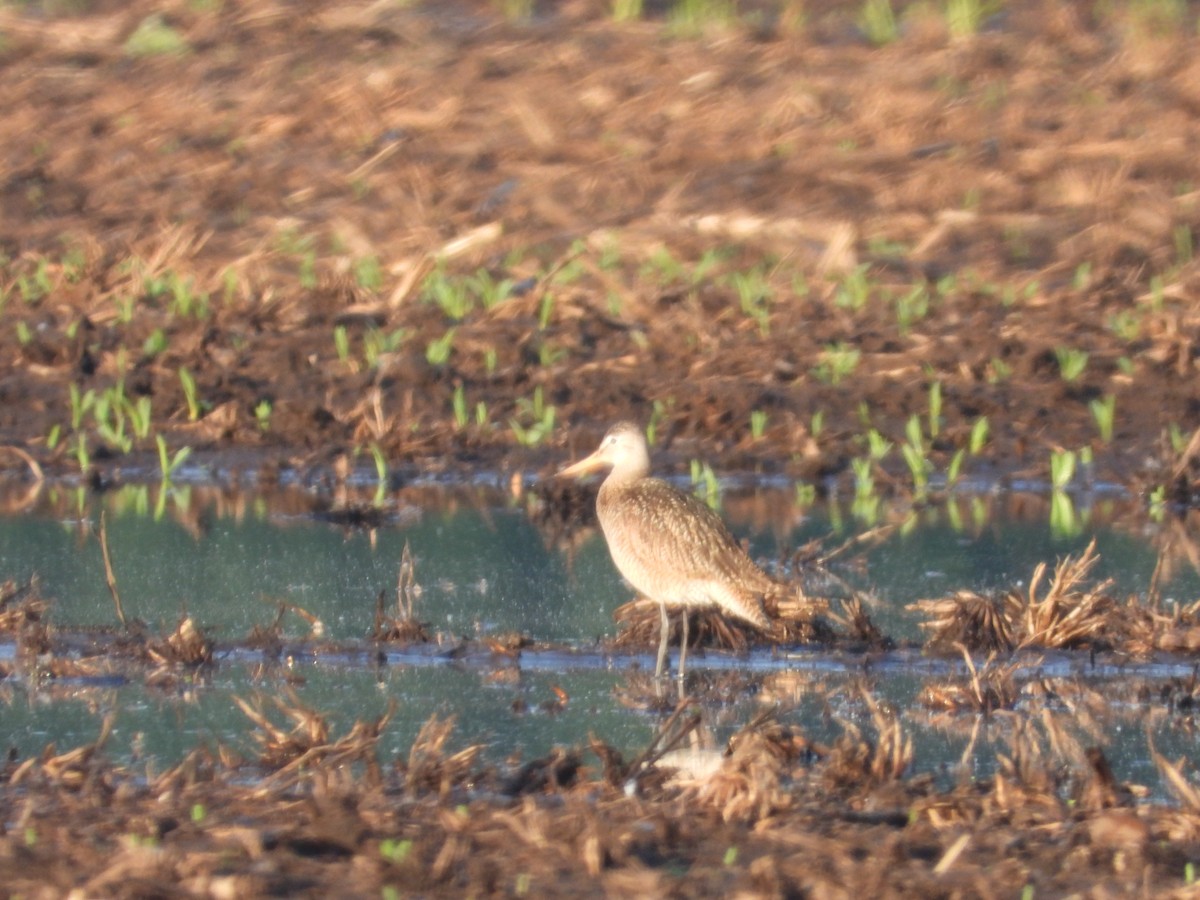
(308, 168)
(298, 172)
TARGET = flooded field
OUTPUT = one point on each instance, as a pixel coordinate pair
(489, 575)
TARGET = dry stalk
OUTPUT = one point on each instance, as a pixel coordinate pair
(110, 576)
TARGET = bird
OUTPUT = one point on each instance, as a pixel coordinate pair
(668, 544)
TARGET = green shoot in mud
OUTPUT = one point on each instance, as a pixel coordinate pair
(935, 409)
(878, 447)
(376, 343)
(458, 403)
(1071, 362)
(758, 424)
(382, 474)
(864, 476)
(154, 37)
(911, 307)
(877, 21)
(190, 393)
(545, 310)
(516, 10)
(1104, 413)
(965, 18)
(1062, 469)
(705, 484)
(816, 424)
(368, 273)
(438, 351)
(754, 297)
(82, 457)
(262, 415)
(395, 851)
(341, 343)
(24, 335)
(854, 290)
(913, 451)
(692, 18)
(538, 416)
(1126, 325)
(838, 361)
(626, 10)
(155, 344)
(979, 436)
(168, 464)
(481, 414)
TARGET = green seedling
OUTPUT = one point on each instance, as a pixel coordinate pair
(438, 351)
(731, 855)
(964, 18)
(80, 404)
(53, 437)
(341, 342)
(459, 403)
(935, 409)
(979, 436)
(395, 851)
(1062, 468)
(489, 360)
(691, 18)
(912, 307)
(1158, 503)
(1179, 440)
(154, 37)
(805, 494)
(516, 10)
(855, 289)
(864, 476)
(816, 424)
(1189, 873)
(657, 411)
(368, 273)
(545, 309)
(382, 473)
(541, 416)
(82, 457)
(758, 424)
(190, 397)
(262, 415)
(198, 813)
(1185, 248)
(626, 10)
(1126, 325)
(955, 468)
(168, 464)
(24, 335)
(481, 414)
(139, 416)
(155, 344)
(1071, 362)
(1083, 276)
(877, 20)
(878, 446)
(376, 343)
(450, 295)
(838, 361)
(754, 297)
(488, 290)
(1104, 412)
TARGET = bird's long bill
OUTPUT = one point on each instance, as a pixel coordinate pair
(588, 464)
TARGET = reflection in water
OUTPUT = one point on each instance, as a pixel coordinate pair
(489, 564)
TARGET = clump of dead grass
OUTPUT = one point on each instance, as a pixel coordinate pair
(857, 762)
(287, 752)
(991, 687)
(1069, 614)
(403, 627)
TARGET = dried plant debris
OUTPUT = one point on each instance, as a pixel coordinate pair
(403, 627)
(1067, 613)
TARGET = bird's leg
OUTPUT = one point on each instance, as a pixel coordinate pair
(683, 642)
(662, 642)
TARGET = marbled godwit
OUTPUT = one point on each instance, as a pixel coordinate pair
(668, 544)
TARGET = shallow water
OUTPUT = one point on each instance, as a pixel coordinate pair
(485, 568)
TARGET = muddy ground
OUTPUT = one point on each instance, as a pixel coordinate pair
(223, 198)
(767, 238)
